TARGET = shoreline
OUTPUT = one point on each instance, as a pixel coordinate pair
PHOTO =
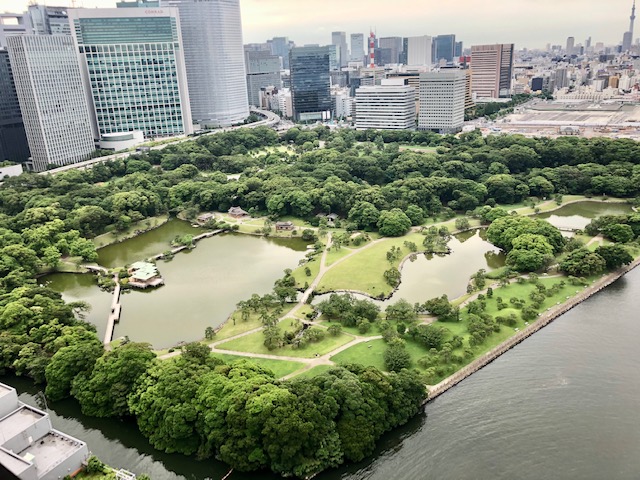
(545, 318)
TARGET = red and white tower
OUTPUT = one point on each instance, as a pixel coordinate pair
(372, 48)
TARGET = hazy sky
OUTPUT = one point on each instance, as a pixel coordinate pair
(527, 23)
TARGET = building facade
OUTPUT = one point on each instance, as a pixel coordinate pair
(263, 70)
(280, 47)
(213, 53)
(47, 20)
(13, 24)
(311, 82)
(133, 66)
(442, 101)
(13, 138)
(492, 67)
(389, 106)
(339, 39)
(391, 48)
(54, 107)
(357, 47)
(444, 47)
(419, 51)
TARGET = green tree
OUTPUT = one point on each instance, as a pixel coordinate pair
(393, 223)
(396, 356)
(615, 256)
(582, 262)
(67, 363)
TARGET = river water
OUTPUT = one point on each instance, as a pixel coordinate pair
(562, 404)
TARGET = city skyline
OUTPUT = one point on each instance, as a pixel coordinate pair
(547, 21)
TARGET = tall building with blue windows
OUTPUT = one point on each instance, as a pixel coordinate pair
(311, 82)
(133, 69)
(444, 48)
(13, 138)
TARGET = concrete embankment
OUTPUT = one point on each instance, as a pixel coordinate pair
(544, 319)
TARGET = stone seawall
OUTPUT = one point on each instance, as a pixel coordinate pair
(544, 319)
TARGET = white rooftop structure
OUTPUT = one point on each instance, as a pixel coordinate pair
(30, 449)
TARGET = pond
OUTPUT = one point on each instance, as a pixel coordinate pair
(146, 244)
(576, 216)
(429, 276)
(74, 287)
(202, 286)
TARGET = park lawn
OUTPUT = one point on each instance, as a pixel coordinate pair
(373, 331)
(334, 255)
(314, 372)
(366, 353)
(364, 272)
(230, 329)
(418, 148)
(300, 275)
(254, 343)
(280, 368)
(302, 312)
(296, 221)
(112, 237)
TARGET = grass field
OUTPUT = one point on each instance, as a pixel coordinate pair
(300, 273)
(254, 343)
(231, 328)
(364, 271)
(113, 237)
(280, 368)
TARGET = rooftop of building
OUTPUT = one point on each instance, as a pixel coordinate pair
(5, 390)
(18, 421)
(49, 450)
(13, 462)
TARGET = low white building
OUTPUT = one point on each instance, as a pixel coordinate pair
(389, 106)
(121, 141)
(343, 104)
(442, 100)
(30, 449)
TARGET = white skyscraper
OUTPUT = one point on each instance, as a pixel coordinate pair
(442, 96)
(419, 51)
(214, 59)
(390, 106)
(52, 99)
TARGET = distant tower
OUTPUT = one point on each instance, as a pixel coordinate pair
(627, 39)
(372, 50)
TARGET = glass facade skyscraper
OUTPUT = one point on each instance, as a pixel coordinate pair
(310, 82)
(444, 47)
(134, 68)
(214, 58)
(13, 139)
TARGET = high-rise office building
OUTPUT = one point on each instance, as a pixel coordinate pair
(627, 39)
(339, 39)
(263, 70)
(458, 50)
(444, 47)
(389, 106)
(570, 49)
(561, 78)
(13, 24)
(280, 46)
(311, 82)
(357, 47)
(133, 65)
(391, 48)
(491, 70)
(13, 138)
(442, 100)
(419, 51)
(47, 20)
(214, 58)
(52, 99)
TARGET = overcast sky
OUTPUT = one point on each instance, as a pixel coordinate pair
(527, 23)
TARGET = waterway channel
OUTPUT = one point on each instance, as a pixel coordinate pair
(562, 404)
